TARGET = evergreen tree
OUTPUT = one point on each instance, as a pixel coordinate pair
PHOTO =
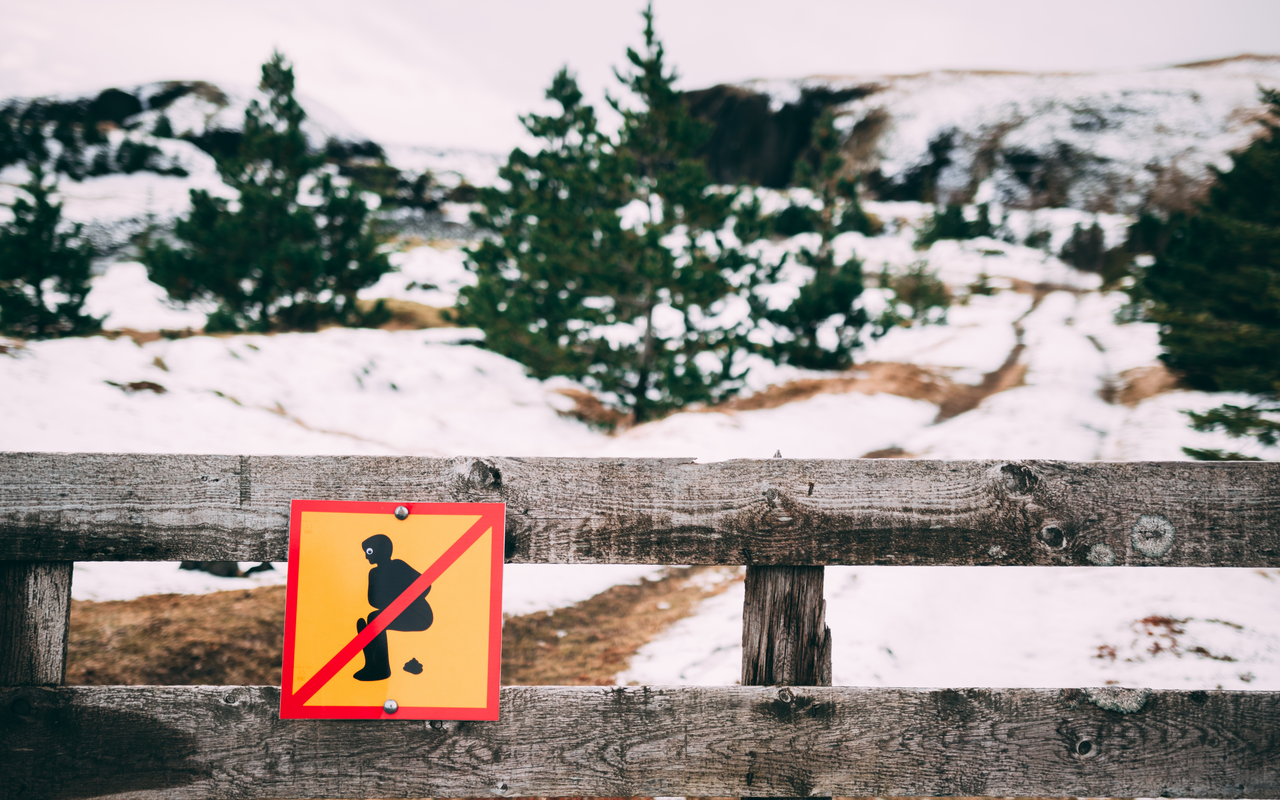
(822, 327)
(610, 264)
(293, 250)
(543, 287)
(163, 128)
(1086, 249)
(949, 222)
(1215, 290)
(44, 272)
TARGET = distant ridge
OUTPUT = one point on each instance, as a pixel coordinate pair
(1216, 62)
(1117, 141)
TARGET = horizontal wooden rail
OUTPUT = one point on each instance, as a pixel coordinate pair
(206, 741)
(109, 507)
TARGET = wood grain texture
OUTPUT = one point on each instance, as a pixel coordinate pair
(35, 617)
(785, 638)
(201, 742)
(81, 507)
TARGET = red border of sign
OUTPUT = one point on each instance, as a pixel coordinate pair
(493, 513)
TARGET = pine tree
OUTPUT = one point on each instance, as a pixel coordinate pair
(1086, 249)
(823, 325)
(44, 271)
(163, 128)
(610, 263)
(1215, 291)
(949, 222)
(541, 288)
(293, 250)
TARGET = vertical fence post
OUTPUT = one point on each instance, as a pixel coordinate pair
(35, 616)
(785, 638)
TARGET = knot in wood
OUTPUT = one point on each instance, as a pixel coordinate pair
(1018, 480)
(1054, 535)
(484, 476)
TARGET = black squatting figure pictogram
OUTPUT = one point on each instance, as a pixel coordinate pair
(388, 580)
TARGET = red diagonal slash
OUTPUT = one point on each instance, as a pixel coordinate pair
(389, 614)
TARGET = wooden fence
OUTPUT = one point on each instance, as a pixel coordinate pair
(783, 733)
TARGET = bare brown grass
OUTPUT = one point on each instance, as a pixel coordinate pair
(903, 380)
(1140, 383)
(406, 315)
(591, 642)
(133, 387)
(147, 337)
(966, 397)
(236, 637)
(225, 638)
(874, 377)
(592, 410)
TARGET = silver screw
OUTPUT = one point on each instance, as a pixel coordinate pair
(401, 512)
(391, 706)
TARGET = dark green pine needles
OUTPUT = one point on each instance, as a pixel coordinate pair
(610, 262)
(44, 271)
(1215, 291)
(615, 260)
(293, 250)
(821, 327)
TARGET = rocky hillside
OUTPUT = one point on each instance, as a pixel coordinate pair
(1119, 142)
(1116, 142)
(127, 157)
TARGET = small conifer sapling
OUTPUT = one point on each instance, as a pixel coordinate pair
(292, 250)
(44, 268)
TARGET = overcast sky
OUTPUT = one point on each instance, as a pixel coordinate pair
(457, 73)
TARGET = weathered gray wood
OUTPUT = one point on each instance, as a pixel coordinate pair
(35, 616)
(201, 742)
(785, 638)
(778, 511)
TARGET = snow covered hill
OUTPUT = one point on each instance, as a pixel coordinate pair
(1033, 361)
(1106, 142)
(1069, 385)
(1118, 141)
(132, 155)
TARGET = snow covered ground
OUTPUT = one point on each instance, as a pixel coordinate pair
(1016, 627)
(436, 393)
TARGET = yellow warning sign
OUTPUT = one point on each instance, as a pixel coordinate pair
(394, 611)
